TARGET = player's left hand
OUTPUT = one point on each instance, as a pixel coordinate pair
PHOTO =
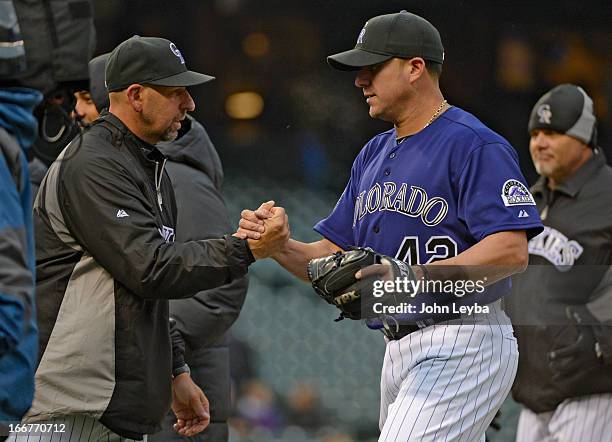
(347, 279)
(388, 270)
(190, 406)
(383, 271)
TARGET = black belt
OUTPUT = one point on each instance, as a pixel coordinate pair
(394, 331)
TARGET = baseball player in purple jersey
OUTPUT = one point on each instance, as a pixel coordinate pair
(438, 188)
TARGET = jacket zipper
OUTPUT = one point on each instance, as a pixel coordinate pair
(160, 201)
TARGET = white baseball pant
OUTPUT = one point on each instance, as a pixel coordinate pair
(588, 418)
(446, 382)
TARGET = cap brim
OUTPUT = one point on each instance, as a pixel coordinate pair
(355, 59)
(187, 78)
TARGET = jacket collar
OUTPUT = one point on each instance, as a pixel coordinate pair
(150, 151)
(572, 186)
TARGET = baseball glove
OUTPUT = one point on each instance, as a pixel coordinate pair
(333, 279)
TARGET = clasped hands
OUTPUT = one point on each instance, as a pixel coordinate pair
(266, 229)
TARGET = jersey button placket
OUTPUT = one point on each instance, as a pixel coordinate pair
(387, 172)
(376, 229)
(392, 155)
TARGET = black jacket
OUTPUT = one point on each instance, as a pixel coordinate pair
(106, 266)
(197, 175)
(569, 266)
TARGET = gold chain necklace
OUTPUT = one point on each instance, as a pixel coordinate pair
(436, 113)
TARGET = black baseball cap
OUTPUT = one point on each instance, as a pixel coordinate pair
(402, 35)
(566, 109)
(97, 89)
(149, 60)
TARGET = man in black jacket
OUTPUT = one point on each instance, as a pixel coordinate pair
(107, 261)
(196, 173)
(562, 304)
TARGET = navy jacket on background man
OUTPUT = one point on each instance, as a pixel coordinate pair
(197, 174)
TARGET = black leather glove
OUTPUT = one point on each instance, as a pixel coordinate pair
(333, 279)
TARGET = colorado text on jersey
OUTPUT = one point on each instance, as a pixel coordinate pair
(416, 204)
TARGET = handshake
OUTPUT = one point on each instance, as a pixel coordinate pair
(343, 278)
(266, 230)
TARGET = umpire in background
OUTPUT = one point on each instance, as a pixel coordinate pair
(562, 304)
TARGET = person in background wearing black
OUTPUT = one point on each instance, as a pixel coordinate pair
(562, 304)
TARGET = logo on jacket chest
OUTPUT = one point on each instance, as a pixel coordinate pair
(557, 248)
(413, 202)
(167, 233)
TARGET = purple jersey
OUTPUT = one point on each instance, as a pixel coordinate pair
(433, 195)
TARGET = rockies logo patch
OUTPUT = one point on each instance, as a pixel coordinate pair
(515, 193)
(544, 113)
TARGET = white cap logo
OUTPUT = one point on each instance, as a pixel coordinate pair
(361, 34)
(176, 52)
(544, 113)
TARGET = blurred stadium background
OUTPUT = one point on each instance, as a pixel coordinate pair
(287, 128)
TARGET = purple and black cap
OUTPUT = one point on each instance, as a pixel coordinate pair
(149, 60)
(401, 35)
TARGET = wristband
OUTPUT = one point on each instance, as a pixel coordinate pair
(180, 370)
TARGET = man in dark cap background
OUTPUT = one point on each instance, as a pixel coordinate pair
(107, 263)
(562, 305)
(89, 103)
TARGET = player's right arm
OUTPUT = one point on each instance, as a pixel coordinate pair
(295, 255)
